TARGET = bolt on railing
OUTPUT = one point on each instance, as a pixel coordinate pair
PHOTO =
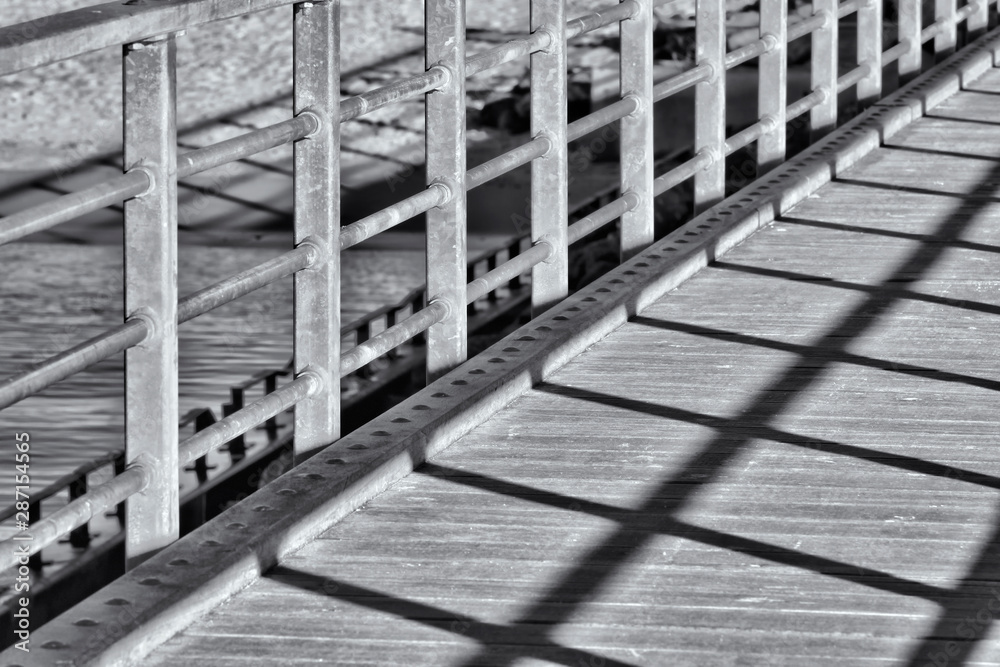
(147, 481)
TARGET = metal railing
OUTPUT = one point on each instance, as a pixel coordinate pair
(75, 483)
(153, 309)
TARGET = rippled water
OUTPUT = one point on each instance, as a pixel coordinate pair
(53, 296)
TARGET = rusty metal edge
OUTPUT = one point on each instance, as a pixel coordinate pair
(142, 610)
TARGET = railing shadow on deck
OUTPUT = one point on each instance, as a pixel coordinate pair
(951, 641)
(862, 229)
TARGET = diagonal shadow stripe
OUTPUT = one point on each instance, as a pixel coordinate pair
(861, 229)
(658, 525)
(970, 198)
(967, 121)
(532, 642)
(885, 289)
(737, 428)
(809, 352)
(934, 151)
(972, 90)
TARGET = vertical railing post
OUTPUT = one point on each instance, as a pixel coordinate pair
(870, 52)
(550, 173)
(710, 103)
(979, 19)
(910, 27)
(151, 412)
(825, 69)
(772, 92)
(947, 38)
(317, 222)
(637, 128)
(447, 341)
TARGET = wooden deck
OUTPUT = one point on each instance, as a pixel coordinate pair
(791, 459)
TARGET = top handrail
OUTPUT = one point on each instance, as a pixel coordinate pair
(49, 39)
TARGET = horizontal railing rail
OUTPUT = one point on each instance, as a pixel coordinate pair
(151, 164)
(360, 329)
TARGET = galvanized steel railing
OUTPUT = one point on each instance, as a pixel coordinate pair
(148, 336)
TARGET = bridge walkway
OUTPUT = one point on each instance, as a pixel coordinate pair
(790, 459)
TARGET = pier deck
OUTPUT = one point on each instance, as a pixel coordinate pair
(790, 459)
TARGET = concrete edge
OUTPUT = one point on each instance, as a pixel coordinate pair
(132, 616)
